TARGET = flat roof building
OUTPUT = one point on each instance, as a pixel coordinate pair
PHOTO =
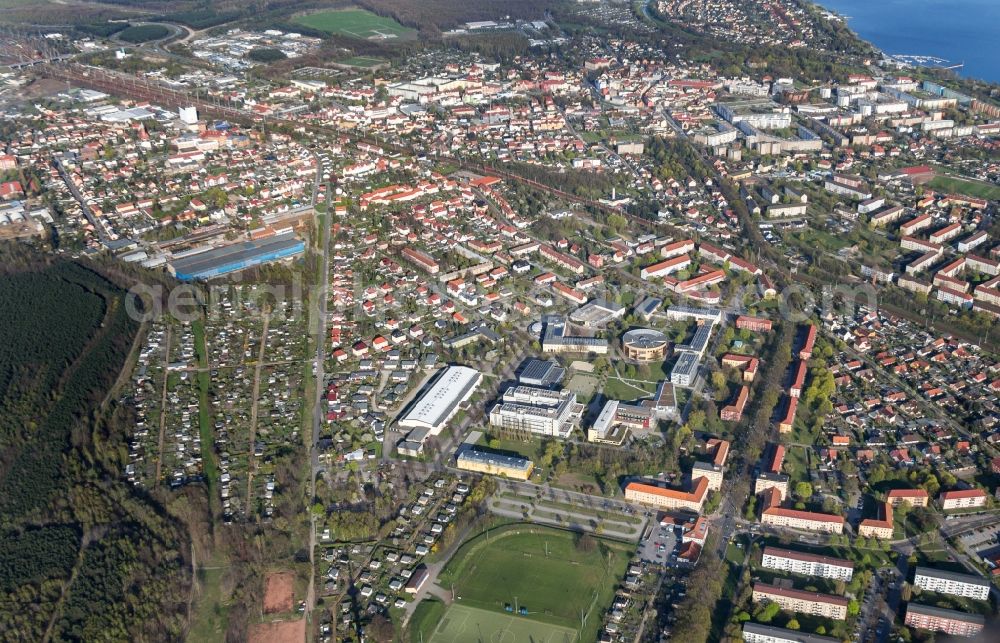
(556, 340)
(509, 466)
(757, 633)
(938, 619)
(769, 480)
(699, 341)
(798, 562)
(606, 429)
(537, 410)
(685, 371)
(797, 600)
(945, 582)
(712, 315)
(438, 404)
(645, 345)
(214, 262)
(597, 313)
(545, 373)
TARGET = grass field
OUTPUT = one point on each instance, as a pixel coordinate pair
(540, 569)
(966, 187)
(583, 384)
(364, 62)
(462, 624)
(617, 389)
(356, 23)
(210, 614)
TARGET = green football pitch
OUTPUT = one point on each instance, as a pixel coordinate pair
(464, 624)
(356, 23)
(558, 580)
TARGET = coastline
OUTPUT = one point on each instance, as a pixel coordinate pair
(933, 34)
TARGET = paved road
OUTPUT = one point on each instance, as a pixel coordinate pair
(102, 232)
(319, 320)
(959, 526)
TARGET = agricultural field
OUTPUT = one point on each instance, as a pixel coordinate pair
(355, 23)
(553, 576)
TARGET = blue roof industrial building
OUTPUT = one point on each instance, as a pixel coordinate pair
(237, 256)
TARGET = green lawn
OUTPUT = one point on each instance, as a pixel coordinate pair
(355, 23)
(617, 389)
(796, 465)
(966, 187)
(210, 613)
(818, 239)
(583, 384)
(364, 62)
(462, 623)
(425, 618)
(542, 570)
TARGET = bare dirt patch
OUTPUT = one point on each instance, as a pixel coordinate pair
(278, 632)
(279, 592)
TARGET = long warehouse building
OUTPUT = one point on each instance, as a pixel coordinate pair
(215, 262)
(439, 403)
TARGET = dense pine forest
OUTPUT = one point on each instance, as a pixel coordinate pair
(83, 555)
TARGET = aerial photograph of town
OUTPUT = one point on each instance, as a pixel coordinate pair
(506, 321)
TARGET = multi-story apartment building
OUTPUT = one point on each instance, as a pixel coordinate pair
(669, 499)
(797, 600)
(757, 633)
(798, 562)
(769, 480)
(927, 617)
(944, 582)
(755, 324)
(912, 497)
(806, 520)
(734, 411)
(712, 472)
(878, 528)
(964, 499)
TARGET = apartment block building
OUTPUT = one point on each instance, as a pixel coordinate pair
(805, 520)
(757, 633)
(798, 600)
(944, 582)
(964, 499)
(806, 564)
(669, 499)
(938, 619)
(769, 480)
(912, 497)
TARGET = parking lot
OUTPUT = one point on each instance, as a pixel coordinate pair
(660, 546)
